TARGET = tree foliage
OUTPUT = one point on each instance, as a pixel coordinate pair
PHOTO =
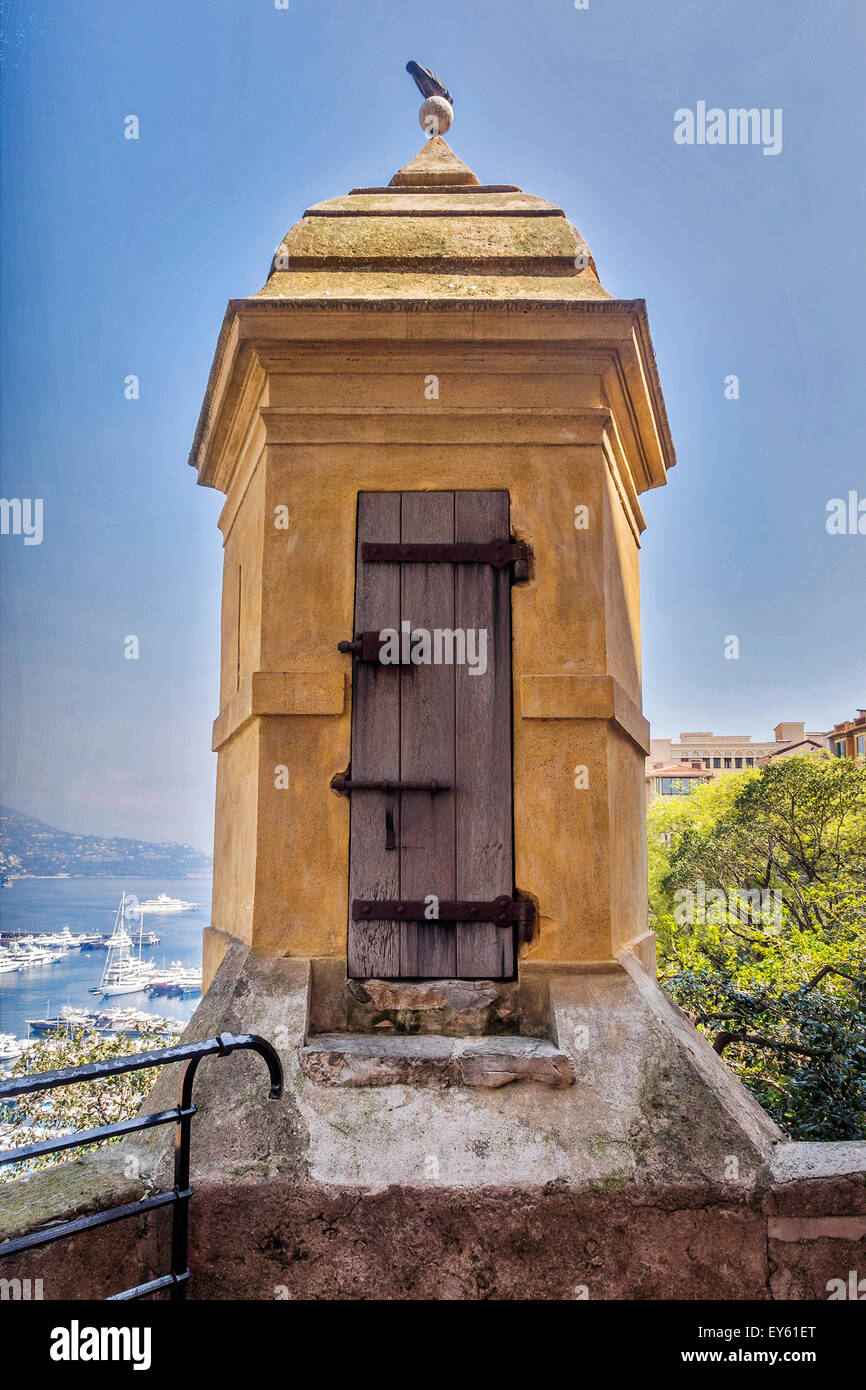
(81, 1106)
(758, 898)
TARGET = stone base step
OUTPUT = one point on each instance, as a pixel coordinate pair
(364, 1059)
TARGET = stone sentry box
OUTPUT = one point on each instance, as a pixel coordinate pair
(431, 343)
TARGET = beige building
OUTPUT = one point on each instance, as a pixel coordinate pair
(431, 365)
(675, 779)
(674, 766)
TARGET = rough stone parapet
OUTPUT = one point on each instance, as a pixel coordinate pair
(654, 1176)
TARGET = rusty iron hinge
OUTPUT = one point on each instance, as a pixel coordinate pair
(502, 911)
(496, 553)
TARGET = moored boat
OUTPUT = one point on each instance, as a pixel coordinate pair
(162, 903)
(123, 972)
(179, 982)
(107, 1022)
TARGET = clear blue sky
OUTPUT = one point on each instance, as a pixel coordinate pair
(119, 257)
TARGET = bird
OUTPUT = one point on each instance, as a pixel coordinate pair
(427, 82)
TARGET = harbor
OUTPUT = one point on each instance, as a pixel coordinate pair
(70, 1021)
(70, 958)
(10, 941)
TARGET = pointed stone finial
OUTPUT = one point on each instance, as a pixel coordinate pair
(435, 166)
(437, 110)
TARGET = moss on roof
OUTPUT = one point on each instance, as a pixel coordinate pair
(439, 239)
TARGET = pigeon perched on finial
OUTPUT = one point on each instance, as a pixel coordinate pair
(436, 114)
(427, 82)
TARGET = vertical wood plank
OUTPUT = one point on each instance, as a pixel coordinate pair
(433, 721)
(374, 872)
(427, 860)
(483, 742)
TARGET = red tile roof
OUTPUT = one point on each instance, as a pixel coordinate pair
(679, 770)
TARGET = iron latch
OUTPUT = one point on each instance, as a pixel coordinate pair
(502, 911)
(495, 553)
(346, 785)
(365, 647)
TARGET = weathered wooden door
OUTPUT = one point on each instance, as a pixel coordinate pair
(439, 715)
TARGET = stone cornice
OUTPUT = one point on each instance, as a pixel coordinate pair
(253, 323)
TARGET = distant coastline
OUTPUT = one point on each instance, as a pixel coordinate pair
(30, 848)
(23, 878)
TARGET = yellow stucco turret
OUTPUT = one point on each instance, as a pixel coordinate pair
(431, 335)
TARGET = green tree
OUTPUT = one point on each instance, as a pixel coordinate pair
(758, 898)
(81, 1106)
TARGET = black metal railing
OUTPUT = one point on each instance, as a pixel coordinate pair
(181, 1116)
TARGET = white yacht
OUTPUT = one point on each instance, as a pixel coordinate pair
(27, 951)
(65, 940)
(178, 982)
(164, 904)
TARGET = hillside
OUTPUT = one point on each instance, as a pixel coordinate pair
(30, 848)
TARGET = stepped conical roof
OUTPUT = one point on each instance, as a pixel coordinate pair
(435, 232)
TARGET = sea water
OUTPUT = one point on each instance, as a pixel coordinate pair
(34, 905)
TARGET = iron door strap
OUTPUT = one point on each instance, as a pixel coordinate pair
(346, 785)
(502, 911)
(495, 553)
